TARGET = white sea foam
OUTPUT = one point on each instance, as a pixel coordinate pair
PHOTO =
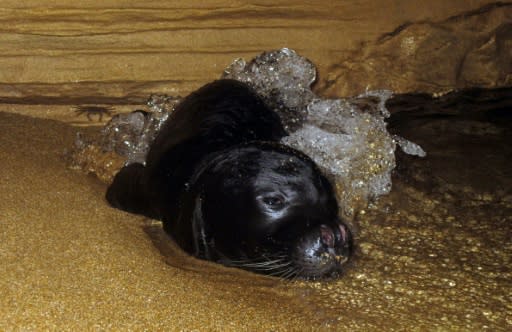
(346, 137)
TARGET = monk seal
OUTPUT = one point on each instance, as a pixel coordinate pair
(228, 192)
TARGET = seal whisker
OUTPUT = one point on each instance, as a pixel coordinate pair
(270, 265)
(287, 273)
(279, 273)
(297, 275)
(284, 270)
(256, 263)
(270, 268)
(292, 274)
(277, 264)
(268, 262)
(262, 260)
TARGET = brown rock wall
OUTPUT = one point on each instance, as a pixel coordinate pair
(121, 49)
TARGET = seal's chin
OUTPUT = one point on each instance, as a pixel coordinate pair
(322, 252)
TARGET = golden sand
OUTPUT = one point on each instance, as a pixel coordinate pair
(70, 262)
(433, 255)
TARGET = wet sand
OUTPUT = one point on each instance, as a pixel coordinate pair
(433, 255)
(70, 262)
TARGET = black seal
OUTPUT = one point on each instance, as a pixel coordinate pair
(227, 191)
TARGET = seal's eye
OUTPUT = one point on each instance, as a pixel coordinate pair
(274, 201)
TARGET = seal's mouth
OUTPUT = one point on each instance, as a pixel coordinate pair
(337, 238)
(337, 243)
(327, 236)
(323, 251)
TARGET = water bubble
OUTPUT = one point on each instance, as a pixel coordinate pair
(346, 137)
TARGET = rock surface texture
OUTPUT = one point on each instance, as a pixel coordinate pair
(118, 52)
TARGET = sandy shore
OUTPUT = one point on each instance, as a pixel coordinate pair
(70, 262)
(434, 254)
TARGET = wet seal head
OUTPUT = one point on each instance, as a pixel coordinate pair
(228, 192)
(267, 208)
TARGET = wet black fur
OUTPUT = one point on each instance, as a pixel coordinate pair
(192, 155)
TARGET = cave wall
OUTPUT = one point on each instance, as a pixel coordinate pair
(121, 51)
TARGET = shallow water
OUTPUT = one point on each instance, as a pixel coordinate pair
(434, 254)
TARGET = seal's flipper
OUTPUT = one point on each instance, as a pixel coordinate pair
(126, 192)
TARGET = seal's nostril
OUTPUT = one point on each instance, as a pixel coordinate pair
(327, 236)
(343, 233)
